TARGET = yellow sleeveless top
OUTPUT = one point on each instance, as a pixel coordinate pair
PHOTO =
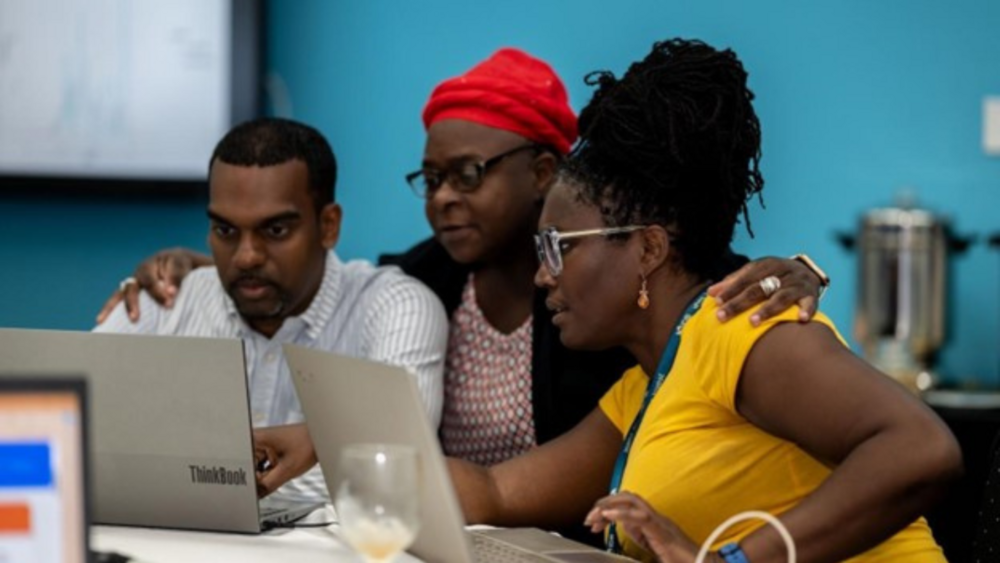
(698, 462)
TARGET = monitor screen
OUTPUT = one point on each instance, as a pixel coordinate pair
(122, 89)
(42, 502)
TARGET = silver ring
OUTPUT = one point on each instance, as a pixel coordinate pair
(123, 285)
(769, 285)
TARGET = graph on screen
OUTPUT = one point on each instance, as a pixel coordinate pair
(114, 88)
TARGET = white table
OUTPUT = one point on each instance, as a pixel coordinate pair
(301, 545)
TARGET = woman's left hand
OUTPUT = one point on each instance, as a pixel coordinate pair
(742, 290)
(654, 532)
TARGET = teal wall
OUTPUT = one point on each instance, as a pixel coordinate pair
(857, 100)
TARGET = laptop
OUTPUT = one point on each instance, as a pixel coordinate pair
(348, 400)
(43, 478)
(171, 434)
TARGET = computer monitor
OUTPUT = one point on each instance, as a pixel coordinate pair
(43, 477)
(104, 94)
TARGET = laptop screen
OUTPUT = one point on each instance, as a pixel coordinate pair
(42, 502)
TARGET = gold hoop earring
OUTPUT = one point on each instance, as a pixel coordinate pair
(643, 301)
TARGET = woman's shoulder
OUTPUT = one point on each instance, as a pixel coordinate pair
(705, 323)
(716, 351)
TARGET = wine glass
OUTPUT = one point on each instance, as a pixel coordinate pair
(378, 499)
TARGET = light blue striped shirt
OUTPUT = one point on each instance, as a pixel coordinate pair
(376, 313)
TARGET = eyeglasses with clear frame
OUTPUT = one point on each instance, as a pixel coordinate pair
(465, 177)
(549, 243)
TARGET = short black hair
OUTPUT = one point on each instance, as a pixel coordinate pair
(270, 141)
(674, 142)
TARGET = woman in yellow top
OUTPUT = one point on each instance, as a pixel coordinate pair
(780, 417)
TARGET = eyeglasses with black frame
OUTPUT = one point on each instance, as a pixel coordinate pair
(464, 176)
(550, 243)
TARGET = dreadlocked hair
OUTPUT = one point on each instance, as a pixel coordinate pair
(271, 141)
(674, 142)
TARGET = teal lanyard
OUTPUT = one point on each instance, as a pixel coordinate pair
(666, 363)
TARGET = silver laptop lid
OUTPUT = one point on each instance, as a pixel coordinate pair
(347, 401)
(171, 443)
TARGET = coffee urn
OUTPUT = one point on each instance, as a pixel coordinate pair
(901, 308)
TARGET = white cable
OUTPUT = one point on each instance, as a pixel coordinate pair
(782, 531)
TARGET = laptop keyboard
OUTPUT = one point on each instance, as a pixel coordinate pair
(267, 511)
(491, 550)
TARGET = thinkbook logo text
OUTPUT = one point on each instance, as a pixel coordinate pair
(205, 475)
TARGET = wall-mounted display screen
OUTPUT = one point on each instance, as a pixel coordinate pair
(122, 89)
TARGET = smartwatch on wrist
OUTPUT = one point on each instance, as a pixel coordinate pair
(824, 280)
(731, 553)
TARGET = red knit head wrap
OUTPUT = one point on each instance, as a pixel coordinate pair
(513, 91)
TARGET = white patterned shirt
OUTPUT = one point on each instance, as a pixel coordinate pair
(361, 311)
(488, 417)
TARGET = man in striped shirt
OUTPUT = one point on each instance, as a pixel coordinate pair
(273, 222)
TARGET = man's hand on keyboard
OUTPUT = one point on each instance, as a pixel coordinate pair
(281, 453)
